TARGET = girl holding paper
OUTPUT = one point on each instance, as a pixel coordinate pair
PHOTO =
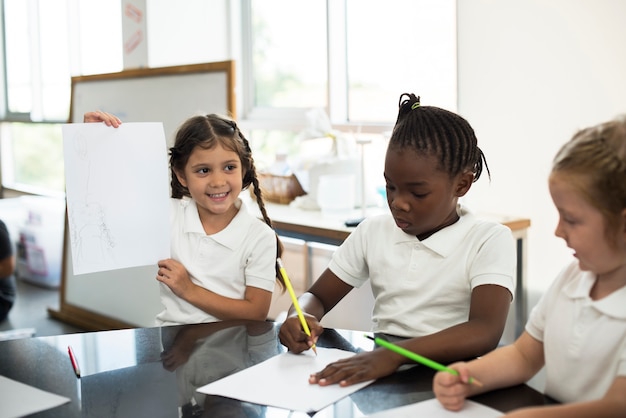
(223, 259)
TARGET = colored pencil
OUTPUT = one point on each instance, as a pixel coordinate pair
(294, 300)
(417, 358)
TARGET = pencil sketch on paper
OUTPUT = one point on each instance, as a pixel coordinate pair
(116, 183)
(91, 237)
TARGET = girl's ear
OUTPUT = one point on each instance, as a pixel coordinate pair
(464, 182)
(181, 178)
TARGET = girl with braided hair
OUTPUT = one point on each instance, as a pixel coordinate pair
(223, 259)
(442, 278)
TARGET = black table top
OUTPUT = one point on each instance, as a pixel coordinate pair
(154, 372)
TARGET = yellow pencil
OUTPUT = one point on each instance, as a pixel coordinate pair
(294, 299)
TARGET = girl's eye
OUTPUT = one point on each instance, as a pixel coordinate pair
(420, 195)
(230, 167)
(568, 220)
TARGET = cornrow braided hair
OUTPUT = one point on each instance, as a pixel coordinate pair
(438, 132)
(207, 131)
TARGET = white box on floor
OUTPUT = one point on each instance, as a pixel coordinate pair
(37, 228)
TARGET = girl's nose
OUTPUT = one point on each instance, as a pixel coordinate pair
(558, 231)
(398, 203)
(217, 179)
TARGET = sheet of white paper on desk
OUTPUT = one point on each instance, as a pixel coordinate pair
(117, 188)
(18, 399)
(433, 409)
(283, 381)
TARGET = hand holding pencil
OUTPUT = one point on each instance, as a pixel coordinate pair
(296, 304)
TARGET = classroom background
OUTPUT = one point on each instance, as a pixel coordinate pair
(526, 74)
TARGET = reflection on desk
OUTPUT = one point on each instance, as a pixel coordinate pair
(155, 372)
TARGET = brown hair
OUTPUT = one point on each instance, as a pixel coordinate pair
(595, 158)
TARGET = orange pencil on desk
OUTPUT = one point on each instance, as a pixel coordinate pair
(294, 300)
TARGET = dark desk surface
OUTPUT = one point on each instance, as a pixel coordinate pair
(154, 372)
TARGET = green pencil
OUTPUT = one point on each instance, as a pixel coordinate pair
(417, 358)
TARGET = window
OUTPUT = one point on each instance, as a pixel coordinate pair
(289, 55)
(45, 43)
(348, 58)
(351, 57)
(406, 46)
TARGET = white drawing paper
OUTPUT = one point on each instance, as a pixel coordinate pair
(18, 399)
(117, 189)
(283, 381)
(433, 409)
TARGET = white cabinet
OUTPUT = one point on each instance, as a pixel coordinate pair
(294, 259)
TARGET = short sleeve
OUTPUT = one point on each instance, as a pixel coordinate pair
(494, 262)
(260, 270)
(348, 261)
(537, 319)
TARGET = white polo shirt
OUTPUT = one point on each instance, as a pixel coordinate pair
(422, 287)
(242, 254)
(584, 341)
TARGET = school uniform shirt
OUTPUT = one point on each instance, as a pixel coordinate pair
(242, 254)
(584, 340)
(421, 287)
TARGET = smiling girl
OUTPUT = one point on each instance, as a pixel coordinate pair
(223, 263)
(223, 258)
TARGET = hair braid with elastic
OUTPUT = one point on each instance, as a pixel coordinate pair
(438, 132)
(251, 175)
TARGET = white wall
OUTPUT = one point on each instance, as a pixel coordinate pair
(532, 72)
(189, 32)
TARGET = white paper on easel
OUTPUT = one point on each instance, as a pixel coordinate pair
(18, 399)
(289, 387)
(433, 409)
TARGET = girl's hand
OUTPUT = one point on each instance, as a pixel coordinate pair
(99, 116)
(175, 276)
(176, 356)
(358, 368)
(450, 390)
(293, 336)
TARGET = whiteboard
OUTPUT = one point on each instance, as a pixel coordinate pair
(169, 95)
(130, 297)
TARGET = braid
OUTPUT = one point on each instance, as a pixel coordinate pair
(438, 132)
(250, 178)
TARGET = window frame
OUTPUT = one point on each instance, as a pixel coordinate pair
(294, 119)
